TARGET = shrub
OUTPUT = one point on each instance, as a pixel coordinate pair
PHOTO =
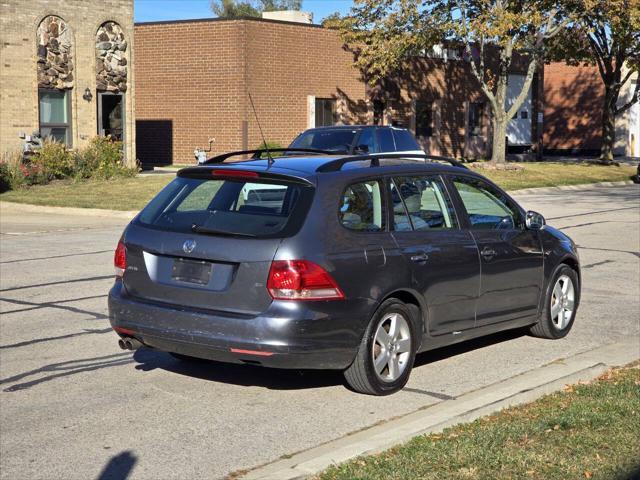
(102, 159)
(11, 171)
(5, 177)
(51, 161)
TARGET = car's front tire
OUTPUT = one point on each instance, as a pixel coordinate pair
(386, 353)
(560, 305)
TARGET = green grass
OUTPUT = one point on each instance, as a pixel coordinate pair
(134, 193)
(585, 431)
(547, 174)
(115, 194)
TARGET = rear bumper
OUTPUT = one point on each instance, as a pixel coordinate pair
(313, 335)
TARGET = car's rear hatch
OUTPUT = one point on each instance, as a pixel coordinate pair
(207, 240)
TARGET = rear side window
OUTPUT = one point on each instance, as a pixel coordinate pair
(227, 207)
(404, 141)
(362, 207)
(421, 203)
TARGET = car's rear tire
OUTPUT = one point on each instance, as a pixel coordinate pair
(560, 305)
(386, 353)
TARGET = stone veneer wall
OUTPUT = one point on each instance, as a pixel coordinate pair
(19, 23)
(55, 54)
(111, 63)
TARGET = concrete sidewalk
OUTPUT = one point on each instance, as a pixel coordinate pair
(522, 388)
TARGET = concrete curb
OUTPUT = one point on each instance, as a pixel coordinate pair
(85, 212)
(522, 388)
(583, 186)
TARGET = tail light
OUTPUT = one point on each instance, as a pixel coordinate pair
(120, 259)
(301, 280)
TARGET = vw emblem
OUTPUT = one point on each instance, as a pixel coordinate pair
(188, 246)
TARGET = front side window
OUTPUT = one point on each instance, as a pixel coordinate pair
(362, 207)
(366, 141)
(325, 112)
(475, 119)
(486, 207)
(421, 203)
(55, 115)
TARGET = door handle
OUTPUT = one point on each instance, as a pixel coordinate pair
(423, 257)
(488, 253)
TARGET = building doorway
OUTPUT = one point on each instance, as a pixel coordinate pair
(111, 115)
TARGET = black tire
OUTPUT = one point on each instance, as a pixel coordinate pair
(361, 375)
(546, 328)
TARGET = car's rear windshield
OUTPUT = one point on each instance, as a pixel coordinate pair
(228, 207)
(331, 139)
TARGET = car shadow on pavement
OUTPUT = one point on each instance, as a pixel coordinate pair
(281, 379)
(443, 353)
(243, 375)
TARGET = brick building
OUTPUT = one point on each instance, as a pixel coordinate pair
(66, 70)
(572, 109)
(573, 100)
(194, 79)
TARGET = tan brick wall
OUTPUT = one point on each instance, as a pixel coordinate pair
(19, 20)
(573, 98)
(286, 63)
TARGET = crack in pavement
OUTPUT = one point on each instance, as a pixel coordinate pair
(38, 306)
(59, 337)
(54, 256)
(61, 282)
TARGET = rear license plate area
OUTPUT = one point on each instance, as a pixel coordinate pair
(191, 271)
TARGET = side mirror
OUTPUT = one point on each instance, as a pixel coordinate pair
(534, 220)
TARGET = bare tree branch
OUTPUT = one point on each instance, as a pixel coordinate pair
(634, 99)
(531, 70)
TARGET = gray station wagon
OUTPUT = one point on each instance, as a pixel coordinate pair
(357, 263)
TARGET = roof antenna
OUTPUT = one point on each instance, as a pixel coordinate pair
(264, 141)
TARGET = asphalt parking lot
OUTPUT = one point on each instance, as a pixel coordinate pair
(73, 405)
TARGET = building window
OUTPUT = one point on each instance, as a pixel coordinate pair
(378, 112)
(476, 111)
(325, 112)
(475, 119)
(55, 115)
(424, 119)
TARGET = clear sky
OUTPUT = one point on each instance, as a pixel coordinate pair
(156, 10)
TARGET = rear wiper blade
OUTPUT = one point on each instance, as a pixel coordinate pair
(200, 229)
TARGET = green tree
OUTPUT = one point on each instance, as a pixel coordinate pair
(387, 33)
(251, 8)
(605, 33)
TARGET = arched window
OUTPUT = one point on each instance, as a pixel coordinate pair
(111, 79)
(55, 78)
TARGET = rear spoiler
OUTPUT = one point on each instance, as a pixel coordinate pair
(257, 153)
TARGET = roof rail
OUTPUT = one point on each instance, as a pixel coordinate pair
(258, 153)
(375, 158)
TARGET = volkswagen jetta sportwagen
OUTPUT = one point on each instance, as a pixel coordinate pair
(327, 261)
